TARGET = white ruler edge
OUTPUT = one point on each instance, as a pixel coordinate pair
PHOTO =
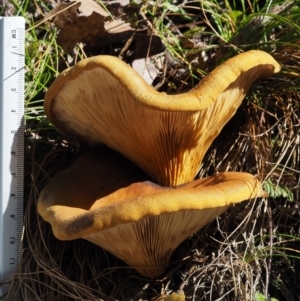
(12, 60)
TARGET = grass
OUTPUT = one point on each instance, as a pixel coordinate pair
(249, 253)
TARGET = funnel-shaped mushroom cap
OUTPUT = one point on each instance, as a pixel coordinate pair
(103, 100)
(100, 199)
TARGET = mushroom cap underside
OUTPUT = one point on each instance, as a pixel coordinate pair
(100, 198)
(102, 189)
(148, 244)
(103, 100)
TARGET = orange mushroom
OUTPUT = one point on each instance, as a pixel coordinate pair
(105, 199)
(103, 100)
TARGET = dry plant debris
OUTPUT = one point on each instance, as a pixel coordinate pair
(81, 21)
(249, 253)
(88, 23)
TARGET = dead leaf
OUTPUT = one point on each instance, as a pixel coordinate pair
(87, 7)
(87, 22)
(146, 69)
(117, 26)
(78, 21)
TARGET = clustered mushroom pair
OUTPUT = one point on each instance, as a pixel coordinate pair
(137, 196)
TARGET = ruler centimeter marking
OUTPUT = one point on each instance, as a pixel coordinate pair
(12, 40)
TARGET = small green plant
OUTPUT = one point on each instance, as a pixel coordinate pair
(261, 297)
(275, 191)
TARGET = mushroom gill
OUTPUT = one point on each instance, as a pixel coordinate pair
(106, 199)
(103, 100)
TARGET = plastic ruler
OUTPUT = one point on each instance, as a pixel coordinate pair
(12, 40)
